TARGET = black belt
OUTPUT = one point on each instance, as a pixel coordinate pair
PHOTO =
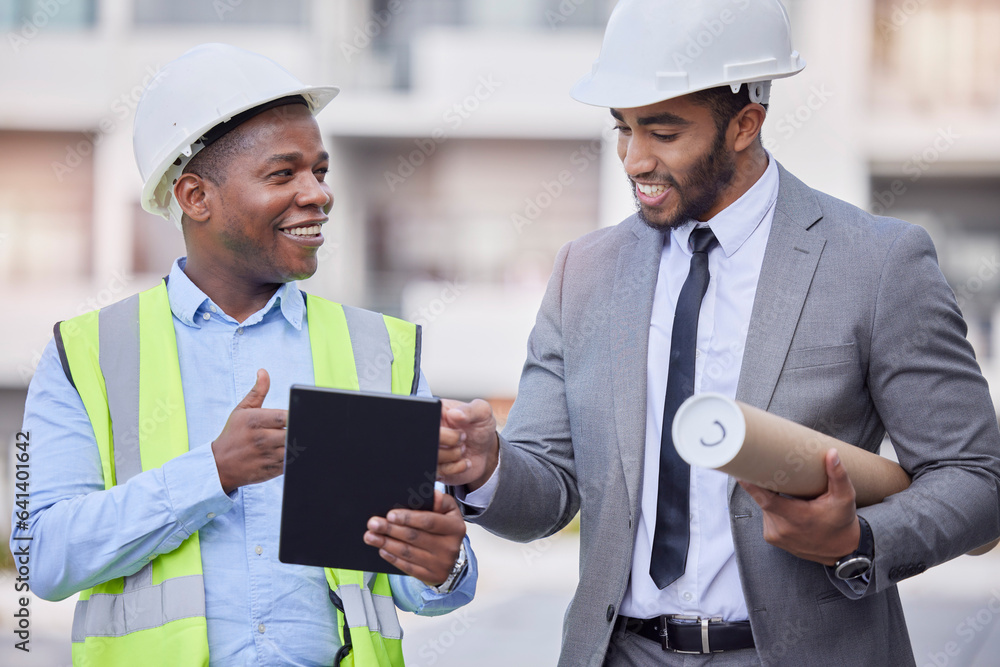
(691, 634)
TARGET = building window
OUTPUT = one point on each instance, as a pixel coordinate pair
(46, 202)
(937, 54)
(71, 14)
(392, 44)
(959, 212)
(483, 211)
(159, 12)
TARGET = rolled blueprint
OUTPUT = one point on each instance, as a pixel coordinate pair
(714, 431)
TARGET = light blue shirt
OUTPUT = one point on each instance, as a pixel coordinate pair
(260, 611)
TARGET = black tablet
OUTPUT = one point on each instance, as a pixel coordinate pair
(350, 456)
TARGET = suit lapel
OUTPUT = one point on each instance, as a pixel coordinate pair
(790, 260)
(631, 310)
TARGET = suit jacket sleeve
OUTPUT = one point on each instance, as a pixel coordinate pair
(929, 392)
(537, 492)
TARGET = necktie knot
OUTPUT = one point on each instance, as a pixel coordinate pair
(702, 239)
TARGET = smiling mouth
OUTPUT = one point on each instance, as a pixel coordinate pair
(651, 190)
(305, 231)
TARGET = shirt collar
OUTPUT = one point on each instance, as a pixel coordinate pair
(187, 300)
(734, 224)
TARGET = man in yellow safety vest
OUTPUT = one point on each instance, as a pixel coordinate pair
(157, 423)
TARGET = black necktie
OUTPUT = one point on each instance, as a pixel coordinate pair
(670, 540)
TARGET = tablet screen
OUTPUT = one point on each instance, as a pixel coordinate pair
(350, 456)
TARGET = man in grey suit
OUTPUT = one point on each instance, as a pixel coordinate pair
(732, 277)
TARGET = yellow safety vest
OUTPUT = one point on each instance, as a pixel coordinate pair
(123, 362)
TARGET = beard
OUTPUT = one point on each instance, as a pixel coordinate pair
(713, 173)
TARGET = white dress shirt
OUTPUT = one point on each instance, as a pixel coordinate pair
(710, 586)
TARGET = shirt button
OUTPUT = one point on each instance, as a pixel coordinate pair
(260, 628)
(206, 316)
(687, 597)
(211, 515)
(213, 308)
(239, 331)
(259, 550)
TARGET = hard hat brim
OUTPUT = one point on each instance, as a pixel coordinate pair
(603, 90)
(317, 97)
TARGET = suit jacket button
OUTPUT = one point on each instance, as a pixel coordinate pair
(611, 612)
(920, 568)
(893, 573)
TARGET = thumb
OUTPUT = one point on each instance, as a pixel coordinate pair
(454, 414)
(459, 415)
(444, 503)
(255, 397)
(838, 481)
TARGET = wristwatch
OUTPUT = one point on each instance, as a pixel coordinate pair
(461, 563)
(858, 563)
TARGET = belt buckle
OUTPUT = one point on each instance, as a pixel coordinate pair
(687, 619)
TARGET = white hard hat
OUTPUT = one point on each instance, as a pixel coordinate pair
(655, 50)
(206, 86)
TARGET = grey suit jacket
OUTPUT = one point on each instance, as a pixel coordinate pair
(854, 332)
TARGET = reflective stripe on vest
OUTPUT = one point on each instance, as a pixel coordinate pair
(363, 608)
(369, 613)
(159, 612)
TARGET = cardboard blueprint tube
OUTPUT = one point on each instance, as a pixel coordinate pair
(714, 431)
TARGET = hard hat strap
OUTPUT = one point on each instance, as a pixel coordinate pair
(760, 92)
(227, 126)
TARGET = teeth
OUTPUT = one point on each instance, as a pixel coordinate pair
(312, 230)
(651, 190)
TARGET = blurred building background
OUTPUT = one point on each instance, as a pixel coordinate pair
(460, 164)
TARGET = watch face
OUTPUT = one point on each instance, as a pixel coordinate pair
(852, 568)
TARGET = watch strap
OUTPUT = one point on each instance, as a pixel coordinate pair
(461, 564)
(864, 553)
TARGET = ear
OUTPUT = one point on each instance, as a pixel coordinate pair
(190, 192)
(748, 123)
